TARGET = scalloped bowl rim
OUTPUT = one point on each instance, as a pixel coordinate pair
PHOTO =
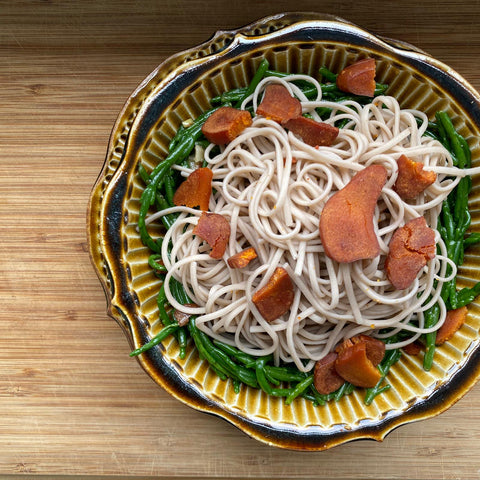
(283, 435)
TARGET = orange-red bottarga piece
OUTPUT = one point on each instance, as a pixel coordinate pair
(226, 124)
(453, 321)
(313, 133)
(242, 259)
(346, 222)
(278, 104)
(410, 248)
(195, 191)
(413, 348)
(325, 378)
(357, 361)
(276, 297)
(358, 78)
(375, 347)
(412, 179)
(215, 230)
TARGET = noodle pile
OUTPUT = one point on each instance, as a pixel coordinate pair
(272, 187)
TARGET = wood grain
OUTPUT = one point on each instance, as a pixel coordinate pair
(71, 400)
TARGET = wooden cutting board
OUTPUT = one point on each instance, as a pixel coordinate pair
(71, 400)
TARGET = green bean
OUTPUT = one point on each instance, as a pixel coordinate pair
(178, 136)
(345, 389)
(237, 384)
(280, 392)
(147, 199)
(183, 144)
(221, 347)
(261, 377)
(158, 173)
(447, 220)
(169, 188)
(321, 399)
(390, 358)
(271, 379)
(432, 129)
(183, 148)
(234, 370)
(162, 335)
(456, 251)
(285, 374)
(467, 295)
(179, 294)
(143, 174)
(291, 393)
(456, 216)
(377, 390)
(442, 231)
(309, 396)
(431, 317)
(472, 239)
(318, 398)
(299, 389)
(342, 123)
(380, 89)
(442, 137)
(466, 151)
(245, 358)
(328, 74)
(203, 143)
(448, 292)
(203, 350)
(259, 74)
(161, 300)
(181, 334)
(153, 262)
(461, 213)
(453, 138)
(219, 359)
(238, 95)
(162, 204)
(460, 259)
(182, 342)
(323, 112)
(166, 320)
(231, 96)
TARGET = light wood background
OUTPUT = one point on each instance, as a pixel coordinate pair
(72, 403)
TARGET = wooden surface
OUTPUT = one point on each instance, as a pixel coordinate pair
(72, 402)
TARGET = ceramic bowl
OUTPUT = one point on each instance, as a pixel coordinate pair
(181, 88)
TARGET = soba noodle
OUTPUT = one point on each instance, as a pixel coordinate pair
(272, 187)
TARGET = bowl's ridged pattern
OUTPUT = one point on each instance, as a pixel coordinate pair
(142, 133)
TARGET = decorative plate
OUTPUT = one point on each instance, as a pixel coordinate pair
(181, 88)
